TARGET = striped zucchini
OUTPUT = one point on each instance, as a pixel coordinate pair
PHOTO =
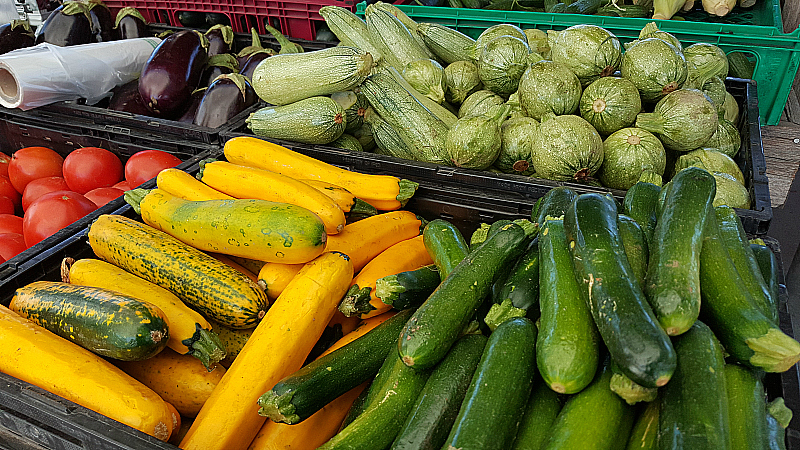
(287, 78)
(217, 290)
(100, 320)
(350, 29)
(393, 39)
(439, 111)
(387, 139)
(422, 132)
(314, 120)
(446, 43)
(355, 105)
(408, 22)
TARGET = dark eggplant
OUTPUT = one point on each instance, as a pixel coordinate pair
(191, 110)
(220, 39)
(173, 72)
(255, 47)
(250, 65)
(14, 35)
(192, 19)
(227, 96)
(131, 24)
(69, 24)
(217, 19)
(126, 98)
(102, 23)
(218, 65)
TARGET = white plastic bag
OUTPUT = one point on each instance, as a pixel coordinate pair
(46, 73)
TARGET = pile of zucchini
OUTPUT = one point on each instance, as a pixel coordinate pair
(597, 325)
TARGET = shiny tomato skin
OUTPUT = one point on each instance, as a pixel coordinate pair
(11, 245)
(52, 212)
(123, 186)
(146, 164)
(92, 167)
(7, 206)
(30, 163)
(41, 186)
(9, 223)
(7, 190)
(101, 196)
(4, 160)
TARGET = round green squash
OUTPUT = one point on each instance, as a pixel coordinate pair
(730, 192)
(684, 120)
(627, 154)
(474, 142)
(549, 87)
(610, 104)
(478, 103)
(460, 80)
(518, 135)
(566, 148)
(655, 67)
(501, 64)
(427, 77)
(726, 139)
(589, 51)
(701, 56)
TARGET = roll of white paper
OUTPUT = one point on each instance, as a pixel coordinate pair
(47, 73)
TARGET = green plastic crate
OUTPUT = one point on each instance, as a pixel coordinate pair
(777, 55)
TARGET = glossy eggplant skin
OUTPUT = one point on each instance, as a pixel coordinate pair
(102, 22)
(172, 72)
(130, 24)
(126, 98)
(223, 100)
(249, 66)
(210, 73)
(69, 24)
(220, 38)
(15, 35)
(191, 110)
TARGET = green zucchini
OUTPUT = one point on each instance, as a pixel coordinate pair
(355, 105)
(628, 390)
(347, 142)
(356, 408)
(423, 133)
(694, 405)
(768, 265)
(288, 78)
(594, 418)
(624, 319)
(350, 29)
(496, 398)
(301, 394)
(428, 424)
(434, 327)
(567, 349)
(553, 204)
(315, 120)
(540, 414)
(673, 283)
(644, 434)
(577, 7)
(747, 411)
(446, 43)
(521, 286)
(390, 399)
(407, 289)
(445, 244)
(100, 320)
(778, 418)
(408, 22)
(392, 38)
(438, 110)
(635, 245)
(481, 234)
(386, 137)
(732, 233)
(641, 204)
(728, 308)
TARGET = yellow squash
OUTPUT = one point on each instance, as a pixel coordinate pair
(179, 379)
(34, 355)
(385, 192)
(189, 332)
(344, 198)
(273, 277)
(230, 262)
(187, 187)
(250, 182)
(229, 419)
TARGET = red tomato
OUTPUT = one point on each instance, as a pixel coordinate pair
(123, 185)
(101, 196)
(6, 205)
(52, 212)
(30, 163)
(2, 260)
(41, 186)
(4, 160)
(10, 223)
(91, 167)
(7, 189)
(11, 244)
(146, 164)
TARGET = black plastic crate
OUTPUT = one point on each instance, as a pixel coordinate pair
(750, 160)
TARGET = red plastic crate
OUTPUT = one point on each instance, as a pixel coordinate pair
(298, 19)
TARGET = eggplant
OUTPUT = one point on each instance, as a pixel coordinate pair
(69, 24)
(255, 47)
(217, 19)
(218, 65)
(191, 110)
(131, 24)
(126, 98)
(102, 23)
(227, 96)
(172, 72)
(220, 39)
(252, 62)
(14, 35)
(192, 19)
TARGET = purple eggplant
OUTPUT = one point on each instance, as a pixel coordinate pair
(227, 96)
(102, 23)
(69, 24)
(191, 110)
(172, 72)
(218, 65)
(220, 39)
(250, 65)
(126, 98)
(14, 35)
(252, 49)
(131, 24)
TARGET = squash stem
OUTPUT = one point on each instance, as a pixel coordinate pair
(652, 122)
(774, 351)
(500, 312)
(134, 198)
(630, 391)
(407, 190)
(206, 346)
(287, 46)
(278, 408)
(363, 209)
(387, 287)
(356, 301)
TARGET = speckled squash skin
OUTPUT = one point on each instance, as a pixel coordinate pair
(217, 290)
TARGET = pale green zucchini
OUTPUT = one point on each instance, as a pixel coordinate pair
(439, 111)
(315, 120)
(412, 26)
(350, 29)
(393, 39)
(448, 44)
(386, 137)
